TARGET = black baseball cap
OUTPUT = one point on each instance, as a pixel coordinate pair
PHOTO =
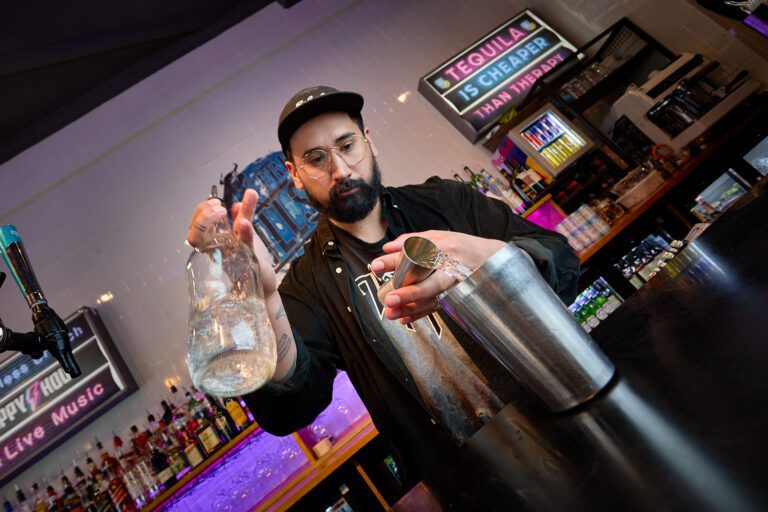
(311, 102)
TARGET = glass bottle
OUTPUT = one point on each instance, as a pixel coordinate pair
(221, 420)
(22, 498)
(236, 412)
(38, 500)
(161, 467)
(231, 344)
(206, 434)
(173, 452)
(191, 448)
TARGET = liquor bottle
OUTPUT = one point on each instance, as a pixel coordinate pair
(207, 435)
(80, 478)
(173, 453)
(523, 184)
(113, 472)
(514, 200)
(37, 499)
(532, 179)
(132, 479)
(487, 187)
(236, 412)
(117, 442)
(160, 466)
(108, 462)
(167, 417)
(221, 420)
(509, 171)
(139, 442)
(22, 499)
(194, 404)
(190, 447)
(153, 424)
(54, 504)
(70, 501)
(80, 484)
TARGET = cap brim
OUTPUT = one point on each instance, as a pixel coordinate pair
(349, 102)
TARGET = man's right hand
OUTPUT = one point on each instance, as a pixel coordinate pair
(210, 211)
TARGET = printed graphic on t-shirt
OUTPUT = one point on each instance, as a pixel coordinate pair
(448, 381)
(369, 284)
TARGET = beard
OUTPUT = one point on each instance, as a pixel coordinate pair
(351, 208)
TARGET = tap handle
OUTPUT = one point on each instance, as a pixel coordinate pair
(16, 257)
(53, 334)
(49, 327)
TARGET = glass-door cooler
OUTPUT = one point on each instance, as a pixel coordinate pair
(550, 139)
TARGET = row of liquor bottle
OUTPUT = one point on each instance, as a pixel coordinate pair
(190, 429)
(594, 304)
(525, 186)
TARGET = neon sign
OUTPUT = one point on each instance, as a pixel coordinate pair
(41, 405)
(474, 88)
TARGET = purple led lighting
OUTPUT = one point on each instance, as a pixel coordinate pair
(757, 23)
(261, 463)
(546, 216)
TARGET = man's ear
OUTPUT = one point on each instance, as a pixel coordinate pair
(294, 171)
(367, 133)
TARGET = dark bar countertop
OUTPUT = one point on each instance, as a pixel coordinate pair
(683, 425)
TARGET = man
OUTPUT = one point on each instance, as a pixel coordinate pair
(426, 384)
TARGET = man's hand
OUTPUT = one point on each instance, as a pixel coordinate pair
(210, 211)
(412, 302)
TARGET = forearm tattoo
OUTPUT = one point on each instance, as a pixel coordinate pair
(280, 313)
(283, 346)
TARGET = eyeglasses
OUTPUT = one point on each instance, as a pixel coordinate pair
(317, 163)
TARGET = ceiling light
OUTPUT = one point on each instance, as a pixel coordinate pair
(105, 297)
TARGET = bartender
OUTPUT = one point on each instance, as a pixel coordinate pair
(426, 384)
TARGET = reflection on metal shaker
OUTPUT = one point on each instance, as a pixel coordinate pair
(513, 313)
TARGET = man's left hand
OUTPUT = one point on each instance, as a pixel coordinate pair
(410, 303)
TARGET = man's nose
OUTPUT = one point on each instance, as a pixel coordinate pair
(339, 169)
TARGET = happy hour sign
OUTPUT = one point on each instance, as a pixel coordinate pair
(41, 405)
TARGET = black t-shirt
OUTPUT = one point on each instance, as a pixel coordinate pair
(450, 386)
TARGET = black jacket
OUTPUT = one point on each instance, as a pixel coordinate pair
(317, 295)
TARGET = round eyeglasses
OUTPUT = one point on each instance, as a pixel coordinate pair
(317, 163)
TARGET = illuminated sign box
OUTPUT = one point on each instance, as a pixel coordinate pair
(41, 406)
(476, 87)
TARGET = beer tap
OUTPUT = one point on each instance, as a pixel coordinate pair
(50, 333)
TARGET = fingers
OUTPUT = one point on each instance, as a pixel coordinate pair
(397, 244)
(244, 231)
(205, 215)
(242, 215)
(248, 204)
(413, 311)
(412, 302)
(385, 263)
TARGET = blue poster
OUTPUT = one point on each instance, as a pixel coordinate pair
(283, 219)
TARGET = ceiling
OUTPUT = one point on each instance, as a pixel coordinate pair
(59, 60)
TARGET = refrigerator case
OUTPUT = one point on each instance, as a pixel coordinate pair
(550, 139)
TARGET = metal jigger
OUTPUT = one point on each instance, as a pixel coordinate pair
(416, 263)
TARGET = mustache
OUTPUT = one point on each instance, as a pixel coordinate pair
(348, 185)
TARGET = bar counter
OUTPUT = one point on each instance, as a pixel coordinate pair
(681, 426)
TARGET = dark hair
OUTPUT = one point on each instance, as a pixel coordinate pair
(358, 119)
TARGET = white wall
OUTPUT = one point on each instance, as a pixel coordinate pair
(103, 204)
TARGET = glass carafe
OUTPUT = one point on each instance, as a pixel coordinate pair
(231, 343)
